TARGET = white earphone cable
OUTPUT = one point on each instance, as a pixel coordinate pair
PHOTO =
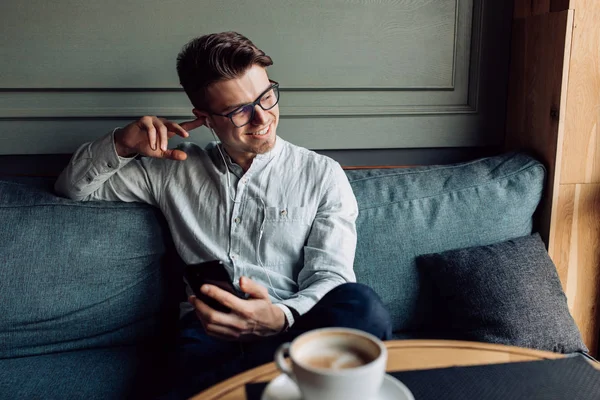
(260, 234)
(260, 263)
(226, 166)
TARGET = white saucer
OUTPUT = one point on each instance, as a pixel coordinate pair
(283, 388)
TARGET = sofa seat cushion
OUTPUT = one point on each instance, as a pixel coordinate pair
(78, 275)
(407, 212)
(121, 372)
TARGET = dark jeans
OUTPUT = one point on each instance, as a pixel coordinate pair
(201, 361)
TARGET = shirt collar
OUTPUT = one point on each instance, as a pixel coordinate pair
(274, 152)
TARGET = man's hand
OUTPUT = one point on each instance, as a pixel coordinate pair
(150, 135)
(256, 316)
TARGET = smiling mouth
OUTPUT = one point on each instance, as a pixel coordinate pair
(262, 132)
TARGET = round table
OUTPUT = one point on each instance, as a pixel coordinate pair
(403, 355)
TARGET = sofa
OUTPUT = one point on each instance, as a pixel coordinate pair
(90, 291)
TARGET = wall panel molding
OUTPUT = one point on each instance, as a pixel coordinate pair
(174, 104)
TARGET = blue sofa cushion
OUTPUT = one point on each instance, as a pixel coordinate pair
(407, 212)
(78, 275)
(122, 372)
(507, 293)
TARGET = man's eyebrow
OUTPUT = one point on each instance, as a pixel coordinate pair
(233, 107)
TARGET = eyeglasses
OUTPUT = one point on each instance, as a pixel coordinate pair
(244, 114)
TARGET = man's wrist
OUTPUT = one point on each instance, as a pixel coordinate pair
(280, 321)
(288, 316)
(122, 151)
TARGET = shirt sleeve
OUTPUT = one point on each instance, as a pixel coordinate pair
(331, 244)
(97, 172)
(289, 317)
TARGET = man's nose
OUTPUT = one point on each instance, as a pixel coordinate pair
(260, 116)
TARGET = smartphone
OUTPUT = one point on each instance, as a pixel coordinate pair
(212, 273)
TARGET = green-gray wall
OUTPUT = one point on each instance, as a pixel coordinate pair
(355, 74)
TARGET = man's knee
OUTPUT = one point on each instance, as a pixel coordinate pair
(362, 296)
(355, 291)
(366, 306)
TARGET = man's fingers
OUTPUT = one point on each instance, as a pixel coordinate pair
(227, 299)
(253, 289)
(146, 124)
(176, 129)
(175, 154)
(209, 316)
(200, 306)
(229, 320)
(162, 134)
(203, 311)
(190, 125)
(159, 131)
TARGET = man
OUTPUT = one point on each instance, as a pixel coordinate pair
(282, 217)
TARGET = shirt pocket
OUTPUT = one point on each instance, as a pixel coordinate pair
(285, 231)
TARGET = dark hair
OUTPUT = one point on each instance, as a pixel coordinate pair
(215, 57)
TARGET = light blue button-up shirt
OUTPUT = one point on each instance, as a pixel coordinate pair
(288, 222)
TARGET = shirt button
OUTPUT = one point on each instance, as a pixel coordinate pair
(237, 220)
(233, 257)
(284, 212)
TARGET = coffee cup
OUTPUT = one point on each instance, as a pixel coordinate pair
(334, 364)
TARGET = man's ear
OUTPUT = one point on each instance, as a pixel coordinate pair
(202, 115)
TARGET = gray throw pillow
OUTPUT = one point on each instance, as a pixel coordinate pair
(507, 293)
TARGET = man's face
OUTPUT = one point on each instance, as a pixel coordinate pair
(258, 136)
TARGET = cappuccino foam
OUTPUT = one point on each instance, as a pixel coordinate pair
(335, 359)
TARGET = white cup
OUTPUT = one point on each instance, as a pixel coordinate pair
(334, 364)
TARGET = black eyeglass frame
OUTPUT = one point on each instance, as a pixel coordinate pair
(274, 85)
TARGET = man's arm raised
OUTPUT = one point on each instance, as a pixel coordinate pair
(105, 169)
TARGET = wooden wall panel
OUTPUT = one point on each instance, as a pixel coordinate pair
(581, 147)
(564, 210)
(538, 78)
(577, 255)
(539, 6)
(560, 5)
(528, 8)
(559, 123)
(525, 8)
